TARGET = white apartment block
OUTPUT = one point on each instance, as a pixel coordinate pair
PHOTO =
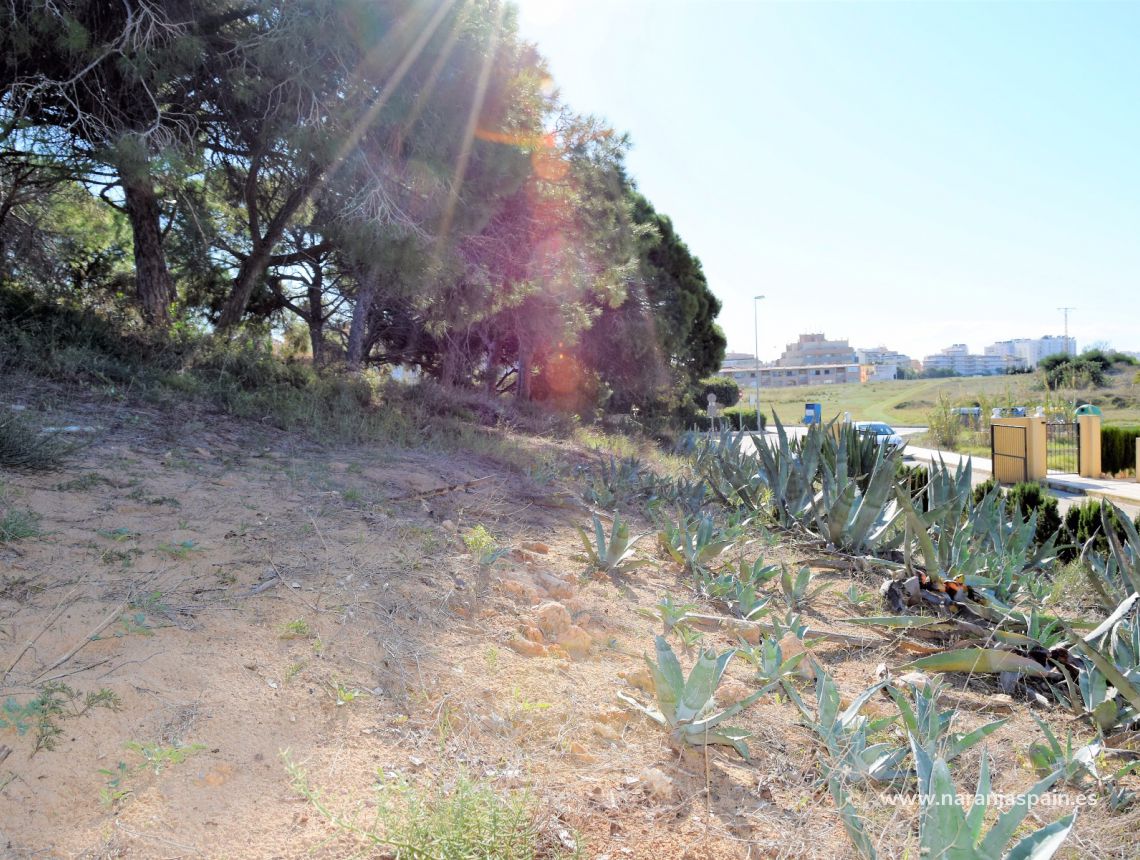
(1032, 349)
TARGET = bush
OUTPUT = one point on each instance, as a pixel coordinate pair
(915, 479)
(945, 425)
(1118, 449)
(1029, 497)
(733, 418)
(983, 489)
(1082, 522)
(24, 448)
(725, 388)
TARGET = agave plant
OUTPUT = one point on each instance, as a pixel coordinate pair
(695, 547)
(615, 554)
(771, 665)
(1074, 765)
(853, 517)
(945, 830)
(932, 726)
(797, 591)
(731, 473)
(790, 474)
(846, 735)
(687, 706)
(1114, 575)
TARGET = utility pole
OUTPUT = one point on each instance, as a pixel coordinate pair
(1068, 353)
(1065, 311)
(756, 323)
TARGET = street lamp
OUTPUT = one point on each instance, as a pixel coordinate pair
(756, 322)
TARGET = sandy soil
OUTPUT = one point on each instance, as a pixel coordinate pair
(225, 582)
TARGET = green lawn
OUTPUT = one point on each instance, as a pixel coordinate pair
(907, 402)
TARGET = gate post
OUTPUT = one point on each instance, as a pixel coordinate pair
(1036, 449)
(1089, 428)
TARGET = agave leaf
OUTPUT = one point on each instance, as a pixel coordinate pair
(591, 553)
(701, 684)
(896, 620)
(983, 660)
(1108, 669)
(1043, 843)
(976, 817)
(650, 712)
(725, 735)
(943, 828)
(1011, 819)
(926, 545)
(975, 737)
(852, 823)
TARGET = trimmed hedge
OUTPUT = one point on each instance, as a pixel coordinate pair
(1118, 449)
(724, 387)
(732, 418)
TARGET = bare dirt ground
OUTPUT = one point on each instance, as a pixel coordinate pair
(255, 600)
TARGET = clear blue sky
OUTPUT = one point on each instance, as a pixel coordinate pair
(914, 174)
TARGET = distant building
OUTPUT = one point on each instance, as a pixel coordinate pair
(814, 350)
(958, 359)
(882, 357)
(1032, 350)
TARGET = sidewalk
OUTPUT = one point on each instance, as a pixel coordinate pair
(1126, 492)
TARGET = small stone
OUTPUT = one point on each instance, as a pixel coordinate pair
(790, 646)
(520, 591)
(532, 633)
(555, 587)
(732, 691)
(607, 732)
(553, 619)
(639, 678)
(581, 754)
(576, 641)
(527, 648)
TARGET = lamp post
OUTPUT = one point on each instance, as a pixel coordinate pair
(756, 323)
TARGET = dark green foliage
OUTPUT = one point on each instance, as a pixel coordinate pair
(983, 489)
(1086, 370)
(915, 479)
(724, 387)
(1030, 496)
(23, 447)
(1082, 522)
(1118, 448)
(733, 418)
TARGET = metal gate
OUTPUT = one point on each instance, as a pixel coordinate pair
(1063, 447)
(1008, 453)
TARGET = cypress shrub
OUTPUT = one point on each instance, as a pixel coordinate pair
(1082, 522)
(983, 489)
(1028, 497)
(1118, 448)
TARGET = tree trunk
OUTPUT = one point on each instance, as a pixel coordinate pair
(252, 268)
(316, 318)
(153, 283)
(365, 296)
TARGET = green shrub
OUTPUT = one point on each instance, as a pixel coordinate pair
(1030, 496)
(983, 489)
(1118, 449)
(733, 418)
(724, 387)
(1082, 522)
(944, 425)
(915, 479)
(23, 447)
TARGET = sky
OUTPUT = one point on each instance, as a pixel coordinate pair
(911, 174)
